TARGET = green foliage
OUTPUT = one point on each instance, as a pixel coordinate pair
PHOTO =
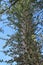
(24, 48)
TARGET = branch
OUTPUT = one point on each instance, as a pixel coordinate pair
(3, 39)
(13, 3)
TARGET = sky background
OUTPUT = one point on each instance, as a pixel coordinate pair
(5, 31)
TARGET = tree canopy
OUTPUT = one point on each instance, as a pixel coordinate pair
(25, 47)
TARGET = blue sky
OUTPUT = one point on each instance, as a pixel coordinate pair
(38, 17)
(6, 31)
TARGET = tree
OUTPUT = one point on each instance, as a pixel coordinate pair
(25, 50)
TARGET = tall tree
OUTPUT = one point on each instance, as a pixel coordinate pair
(25, 50)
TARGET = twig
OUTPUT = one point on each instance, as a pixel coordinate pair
(13, 3)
